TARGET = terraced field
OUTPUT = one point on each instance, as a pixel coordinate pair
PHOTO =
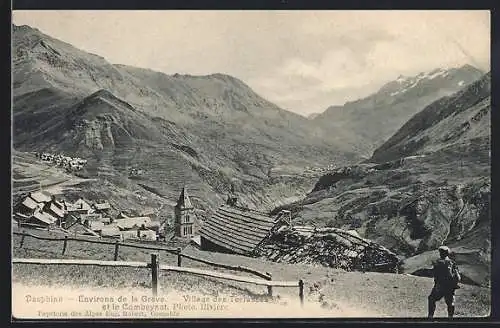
(29, 173)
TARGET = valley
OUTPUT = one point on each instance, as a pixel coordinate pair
(407, 168)
(421, 188)
(122, 117)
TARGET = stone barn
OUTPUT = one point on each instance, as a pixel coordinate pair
(79, 207)
(41, 197)
(102, 208)
(41, 220)
(29, 206)
(56, 209)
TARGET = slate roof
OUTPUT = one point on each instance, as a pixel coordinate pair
(52, 218)
(96, 225)
(102, 206)
(82, 204)
(44, 217)
(122, 215)
(30, 203)
(60, 204)
(73, 208)
(110, 231)
(56, 210)
(91, 217)
(78, 229)
(129, 234)
(40, 197)
(153, 225)
(237, 229)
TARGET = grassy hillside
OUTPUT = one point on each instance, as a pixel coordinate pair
(329, 292)
(28, 172)
(428, 185)
(207, 132)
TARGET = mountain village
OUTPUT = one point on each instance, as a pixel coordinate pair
(71, 164)
(42, 210)
(231, 229)
(352, 202)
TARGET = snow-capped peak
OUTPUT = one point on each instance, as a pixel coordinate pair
(401, 79)
(408, 82)
(440, 72)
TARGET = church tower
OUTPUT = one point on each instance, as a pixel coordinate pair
(231, 198)
(184, 216)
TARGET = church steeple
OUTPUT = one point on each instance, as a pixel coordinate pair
(184, 215)
(231, 198)
(184, 203)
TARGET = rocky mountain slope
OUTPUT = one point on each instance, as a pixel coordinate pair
(207, 132)
(461, 118)
(367, 123)
(427, 185)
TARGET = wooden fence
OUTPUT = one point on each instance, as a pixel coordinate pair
(117, 244)
(156, 267)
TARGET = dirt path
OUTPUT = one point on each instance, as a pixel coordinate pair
(51, 178)
(58, 188)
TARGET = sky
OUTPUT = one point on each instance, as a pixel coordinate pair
(303, 61)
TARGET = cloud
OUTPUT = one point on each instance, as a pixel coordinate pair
(360, 59)
(303, 61)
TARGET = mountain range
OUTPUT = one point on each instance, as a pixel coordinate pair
(407, 166)
(428, 185)
(368, 122)
(207, 132)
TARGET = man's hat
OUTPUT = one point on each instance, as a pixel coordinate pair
(445, 249)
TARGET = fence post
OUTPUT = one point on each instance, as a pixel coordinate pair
(154, 273)
(65, 244)
(22, 240)
(117, 244)
(19, 223)
(179, 256)
(269, 288)
(301, 292)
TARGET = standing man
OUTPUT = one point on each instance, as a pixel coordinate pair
(446, 279)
